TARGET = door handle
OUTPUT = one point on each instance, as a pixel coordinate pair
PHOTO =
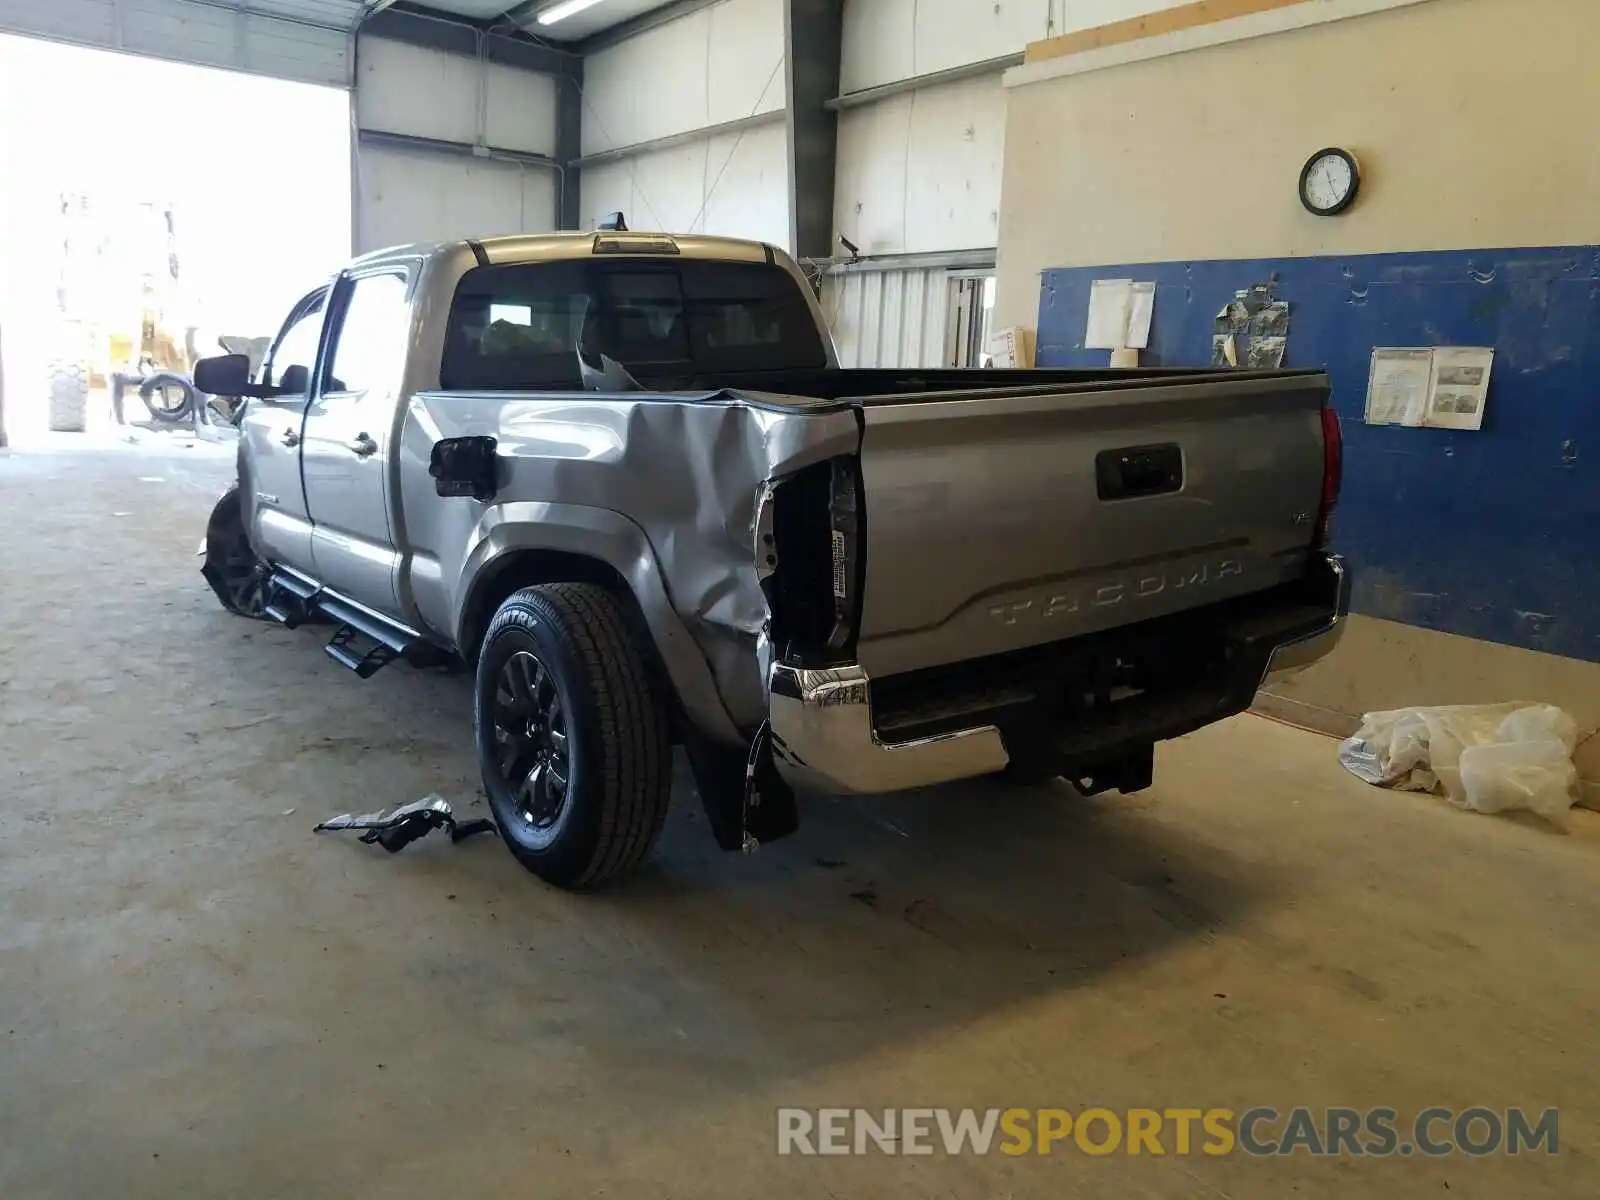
(364, 446)
(291, 438)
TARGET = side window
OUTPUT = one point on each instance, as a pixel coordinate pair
(295, 356)
(371, 347)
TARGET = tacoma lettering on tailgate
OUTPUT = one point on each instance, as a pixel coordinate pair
(1135, 588)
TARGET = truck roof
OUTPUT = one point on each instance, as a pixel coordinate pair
(542, 247)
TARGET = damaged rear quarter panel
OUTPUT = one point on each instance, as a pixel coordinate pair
(663, 487)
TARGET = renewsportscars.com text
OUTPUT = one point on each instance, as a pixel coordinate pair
(1257, 1132)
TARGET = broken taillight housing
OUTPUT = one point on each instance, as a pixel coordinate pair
(815, 586)
(1332, 474)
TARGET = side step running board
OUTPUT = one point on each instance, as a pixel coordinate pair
(363, 642)
(290, 600)
(387, 643)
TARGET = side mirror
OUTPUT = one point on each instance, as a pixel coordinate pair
(229, 375)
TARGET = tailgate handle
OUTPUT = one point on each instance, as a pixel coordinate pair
(1138, 471)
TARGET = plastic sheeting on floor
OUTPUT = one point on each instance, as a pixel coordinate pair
(1486, 757)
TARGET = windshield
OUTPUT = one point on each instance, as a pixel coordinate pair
(519, 327)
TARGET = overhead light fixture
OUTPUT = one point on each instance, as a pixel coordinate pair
(564, 10)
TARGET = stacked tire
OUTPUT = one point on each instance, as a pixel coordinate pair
(67, 378)
(69, 396)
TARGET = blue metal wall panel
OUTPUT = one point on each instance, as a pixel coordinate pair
(1493, 534)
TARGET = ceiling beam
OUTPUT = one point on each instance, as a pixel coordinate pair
(419, 25)
(634, 149)
(973, 70)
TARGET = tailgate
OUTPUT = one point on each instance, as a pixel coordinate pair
(1003, 520)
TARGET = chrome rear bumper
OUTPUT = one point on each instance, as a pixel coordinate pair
(823, 738)
(1295, 656)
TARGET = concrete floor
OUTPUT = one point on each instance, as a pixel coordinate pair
(201, 998)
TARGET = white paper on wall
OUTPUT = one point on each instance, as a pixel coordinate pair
(1442, 387)
(1397, 389)
(1110, 303)
(1141, 311)
(1458, 391)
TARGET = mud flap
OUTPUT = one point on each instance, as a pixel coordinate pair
(746, 800)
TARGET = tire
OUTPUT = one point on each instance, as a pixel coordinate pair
(231, 566)
(561, 657)
(157, 392)
(69, 395)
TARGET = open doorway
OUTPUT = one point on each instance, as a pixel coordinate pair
(147, 208)
(971, 319)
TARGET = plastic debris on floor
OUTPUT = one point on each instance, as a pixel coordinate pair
(396, 829)
(1489, 758)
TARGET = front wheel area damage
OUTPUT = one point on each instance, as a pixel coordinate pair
(232, 569)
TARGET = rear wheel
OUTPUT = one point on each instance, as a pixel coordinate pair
(572, 740)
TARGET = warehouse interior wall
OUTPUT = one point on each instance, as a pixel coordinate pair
(446, 146)
(920, 172)
(680, 81)
(1476, 221)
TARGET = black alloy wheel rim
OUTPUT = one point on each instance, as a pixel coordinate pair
(241, 576)
(530, 736)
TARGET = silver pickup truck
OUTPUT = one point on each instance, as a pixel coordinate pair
(623, 479)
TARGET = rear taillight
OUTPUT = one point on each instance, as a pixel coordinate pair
(844, 546)
(812, 566)
(1332, 474)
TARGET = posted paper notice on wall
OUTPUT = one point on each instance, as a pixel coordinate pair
(1442, 387)
(1397, 391)
(1459, 389)
(1120, 311)
(1110, 304)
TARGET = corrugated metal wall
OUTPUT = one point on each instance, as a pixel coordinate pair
(889, 318)
(304, 40)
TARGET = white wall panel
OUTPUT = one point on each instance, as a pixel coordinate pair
(183, 31)
(887, 40)
(920, 172)
(954, 165)
(869, 190)
(752, 198)
(888, 318)
(403, 88)
(521, 110)
(744, 64)
(416, 197)
(703, 69)
(679, 190)
(878, 39)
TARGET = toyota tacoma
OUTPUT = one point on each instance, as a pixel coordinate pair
(623, 479)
